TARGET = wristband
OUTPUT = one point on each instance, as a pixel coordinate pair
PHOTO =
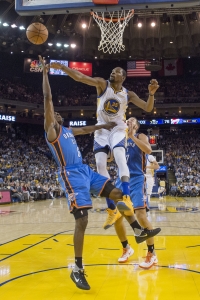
(151, 95)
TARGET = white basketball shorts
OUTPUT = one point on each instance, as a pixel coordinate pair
(115, 137)
(150, 184)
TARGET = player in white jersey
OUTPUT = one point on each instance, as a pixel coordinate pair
(111, 106)
(112, 102)
(151, 166)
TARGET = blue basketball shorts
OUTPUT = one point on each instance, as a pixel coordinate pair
(137, 191)
(78, 182)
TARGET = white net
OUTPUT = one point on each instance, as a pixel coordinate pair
(112, 25)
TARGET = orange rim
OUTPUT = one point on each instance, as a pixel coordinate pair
(113, 20)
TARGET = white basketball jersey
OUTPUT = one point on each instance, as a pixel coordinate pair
(150, 159)
(111, 106)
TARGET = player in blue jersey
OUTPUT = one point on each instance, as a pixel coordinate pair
(112, 102)
(137, 148)
(77, 179)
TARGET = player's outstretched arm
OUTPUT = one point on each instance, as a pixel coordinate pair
(141, 141)
(147, 106)
(98, 82)
(90, 129)
(50, 124)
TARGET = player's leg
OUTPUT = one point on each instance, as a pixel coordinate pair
(115, 193)
(103, 187)
(118, 144)
(101, 150)
(161, 190)
(101, 162)
(120, 159)
(139, 202)
(78, 274)
(76, 184)
(141, 235)
(129, 214)
(121, 233)
(151, 258)
(137, 188)
(139, 232)
(150, 184)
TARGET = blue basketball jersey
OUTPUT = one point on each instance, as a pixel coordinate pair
(136, 158)
(64, 149)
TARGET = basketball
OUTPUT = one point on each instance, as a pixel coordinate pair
(37, 33)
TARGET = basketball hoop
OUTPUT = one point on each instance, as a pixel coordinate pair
(112, 25)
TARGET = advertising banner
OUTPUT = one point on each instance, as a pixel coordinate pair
(32, 66)
(83, 67)
(7, 118)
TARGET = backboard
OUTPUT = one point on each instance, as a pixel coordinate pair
(158, 154)
(48, 7)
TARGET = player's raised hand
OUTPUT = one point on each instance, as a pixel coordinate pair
(132, 127)
(153, 86)
(109, 125)
(56, 65)
(42, 61)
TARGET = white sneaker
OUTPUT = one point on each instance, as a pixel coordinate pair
(150, 261)
(127, 252)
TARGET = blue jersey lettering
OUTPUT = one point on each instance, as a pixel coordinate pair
(136, 159)
(64, 149)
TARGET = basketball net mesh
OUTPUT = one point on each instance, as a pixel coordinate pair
(112, 25)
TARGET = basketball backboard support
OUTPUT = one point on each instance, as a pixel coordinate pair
(48, 7)
(159, 155)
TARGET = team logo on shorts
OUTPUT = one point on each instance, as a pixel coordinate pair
(111, 106)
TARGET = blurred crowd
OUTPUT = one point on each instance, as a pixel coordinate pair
(172, 90)
(19, 92)
(182, 156)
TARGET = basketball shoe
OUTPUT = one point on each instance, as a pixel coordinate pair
(146, 234)
(79, 279)
(125, 204)
(150, 260)
(127, 252)
(113, 216)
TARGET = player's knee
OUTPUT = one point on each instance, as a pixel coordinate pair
(81, 223)
(141, 214)
(119, 222)
(115, 194)
(81, 218)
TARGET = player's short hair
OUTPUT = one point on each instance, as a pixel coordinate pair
(124, 73)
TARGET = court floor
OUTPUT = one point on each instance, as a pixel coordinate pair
(36, 253)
